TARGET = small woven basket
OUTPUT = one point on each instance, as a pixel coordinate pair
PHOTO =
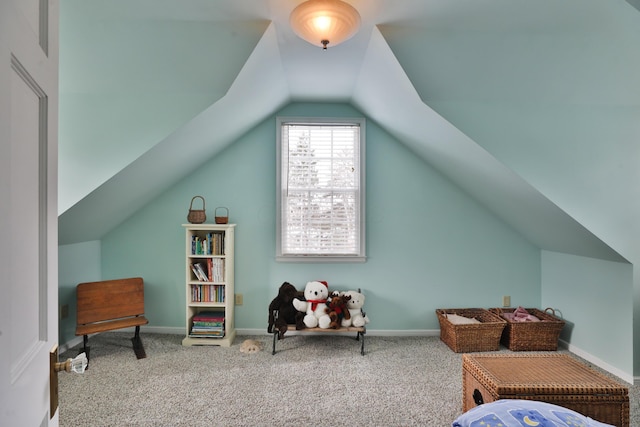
(197, 216)
(221, 219)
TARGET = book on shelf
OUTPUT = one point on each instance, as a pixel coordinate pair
(212, 271)
(216, 269)
(208, 327)
(207, 332)
(204, 330)
(203, 273)
(210, 244)
(208, 324)
(207, 293)
(207, 335)
(197, 273)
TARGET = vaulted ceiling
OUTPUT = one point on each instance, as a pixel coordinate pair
(151, 88)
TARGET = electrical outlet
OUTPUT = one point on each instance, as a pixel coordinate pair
(238, 299)
(506, 301)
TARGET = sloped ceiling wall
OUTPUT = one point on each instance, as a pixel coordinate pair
(550, 93)
(132, 72)
(408, 58)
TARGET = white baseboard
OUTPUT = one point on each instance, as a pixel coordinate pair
(598, 362)
(69, 344)
(171, 330)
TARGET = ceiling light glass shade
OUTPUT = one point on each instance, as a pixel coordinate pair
(325, 22)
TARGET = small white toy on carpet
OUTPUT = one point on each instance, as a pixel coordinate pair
(251, 346)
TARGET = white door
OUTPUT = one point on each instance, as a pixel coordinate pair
(28, 208)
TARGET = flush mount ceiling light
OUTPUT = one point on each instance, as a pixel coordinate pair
(325, 22)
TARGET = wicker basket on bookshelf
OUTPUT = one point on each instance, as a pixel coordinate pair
(224, 217)
(197, 216)
(466, 338)
(531, 336)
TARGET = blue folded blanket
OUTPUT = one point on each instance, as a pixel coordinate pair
(523, 413)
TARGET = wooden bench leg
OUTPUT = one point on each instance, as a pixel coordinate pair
(138, 348)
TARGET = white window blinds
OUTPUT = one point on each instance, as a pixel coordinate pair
(321, 200)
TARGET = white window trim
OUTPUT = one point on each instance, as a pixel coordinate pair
(361, 257)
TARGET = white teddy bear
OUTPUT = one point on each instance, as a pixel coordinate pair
(355, 305)
(316, 294)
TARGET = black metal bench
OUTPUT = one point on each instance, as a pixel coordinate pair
(360, 332)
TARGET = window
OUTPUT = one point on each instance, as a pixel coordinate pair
(320, 189)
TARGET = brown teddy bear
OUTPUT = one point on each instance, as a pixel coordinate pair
(287, 313)
(337, 309)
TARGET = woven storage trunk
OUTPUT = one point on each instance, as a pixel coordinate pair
(484, 336)
(531, 336)
(553, 378)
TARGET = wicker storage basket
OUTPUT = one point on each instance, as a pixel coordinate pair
(484, 336)
(547, 377)
(531, 336)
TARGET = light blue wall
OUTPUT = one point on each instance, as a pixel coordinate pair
(596, 299)
(429, 245)
(78, 263)
(584, 158)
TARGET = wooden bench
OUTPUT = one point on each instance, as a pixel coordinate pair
(109, 305)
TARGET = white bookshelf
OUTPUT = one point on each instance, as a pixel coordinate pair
(211, 246)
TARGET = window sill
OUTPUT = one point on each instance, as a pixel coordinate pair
(321, 258)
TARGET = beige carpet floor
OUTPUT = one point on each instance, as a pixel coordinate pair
(311, 380)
